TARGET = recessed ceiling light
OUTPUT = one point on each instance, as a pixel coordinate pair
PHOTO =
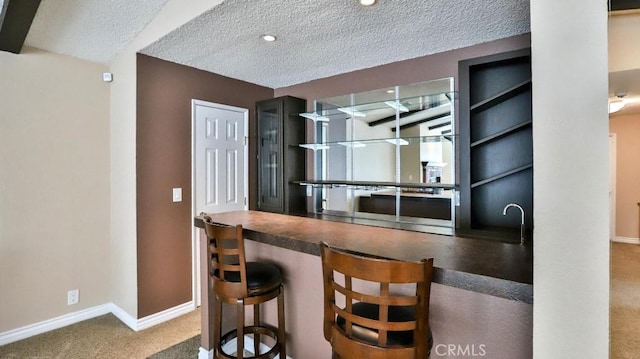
(367, 2)
(269, 38)
(391, 91)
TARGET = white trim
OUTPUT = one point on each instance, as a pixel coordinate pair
(630, 240)
(124, 317)
(205, 354)
(52, 324)
(613, 153)
(165, 315)
(76, 317)
(195, 235)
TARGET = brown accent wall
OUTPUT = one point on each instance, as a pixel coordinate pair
(419, 69)
(627, 130)
(163, 151)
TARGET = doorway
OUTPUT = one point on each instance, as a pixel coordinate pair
(219, 165)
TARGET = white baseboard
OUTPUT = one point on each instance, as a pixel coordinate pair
(124, 317)
(52, 324)
(72, 318)
(205, 354)
(165, 315)
(630, 240)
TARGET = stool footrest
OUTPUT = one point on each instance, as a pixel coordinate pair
(261, 330)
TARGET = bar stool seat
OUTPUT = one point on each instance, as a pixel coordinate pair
(259, 276)
(238, 282)
(396, 314)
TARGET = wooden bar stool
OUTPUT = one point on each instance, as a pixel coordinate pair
(235, 281)
(376, 308)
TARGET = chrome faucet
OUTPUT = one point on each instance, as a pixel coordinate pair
(504, 213)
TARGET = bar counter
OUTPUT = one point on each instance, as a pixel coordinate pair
(499, 269)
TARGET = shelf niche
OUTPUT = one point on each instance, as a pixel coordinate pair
(496, 146)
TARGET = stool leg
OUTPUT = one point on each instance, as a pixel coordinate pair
(256, 322)
(240, 329)
(282, 333)
(217, 324)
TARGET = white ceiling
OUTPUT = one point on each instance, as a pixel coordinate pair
(315, 38)
(94, 30)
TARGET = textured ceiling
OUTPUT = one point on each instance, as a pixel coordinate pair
(315, 38)
(95, 30)
(322, 38)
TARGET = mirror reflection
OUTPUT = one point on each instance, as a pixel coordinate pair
(387, 156)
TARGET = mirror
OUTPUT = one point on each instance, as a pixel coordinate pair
(387, 157)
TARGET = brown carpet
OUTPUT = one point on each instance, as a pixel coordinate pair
(104, 337)
(184, 350)
(625, 301)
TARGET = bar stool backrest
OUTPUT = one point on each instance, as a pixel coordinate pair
(227, 264)
(343, 322)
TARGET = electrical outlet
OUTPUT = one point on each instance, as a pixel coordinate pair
(73, 297)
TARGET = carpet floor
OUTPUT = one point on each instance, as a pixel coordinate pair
(188, 349)
(105, 337)
(624, 302)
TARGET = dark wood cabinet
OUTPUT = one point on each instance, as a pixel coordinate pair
(280, 160)
(496, 145)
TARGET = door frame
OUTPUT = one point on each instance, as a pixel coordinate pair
(195, 232)
(612, 185)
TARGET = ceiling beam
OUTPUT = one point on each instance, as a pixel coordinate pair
(392, 118)
(618, 5)
(432, 118)
(16, 19)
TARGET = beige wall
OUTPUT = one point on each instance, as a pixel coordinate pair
(570, 180)
(623, 31)
(123, 149)
(627, 130)
(54, 186)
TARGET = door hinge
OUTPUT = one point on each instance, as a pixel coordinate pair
(245, 140)
(245, 201)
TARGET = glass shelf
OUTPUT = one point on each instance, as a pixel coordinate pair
(373, 185)
(403, 141)
(382, 106)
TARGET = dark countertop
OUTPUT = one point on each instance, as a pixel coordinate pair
(500, 269)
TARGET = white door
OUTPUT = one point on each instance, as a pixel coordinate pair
(219, 165)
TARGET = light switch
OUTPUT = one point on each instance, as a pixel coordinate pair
(177, 194)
